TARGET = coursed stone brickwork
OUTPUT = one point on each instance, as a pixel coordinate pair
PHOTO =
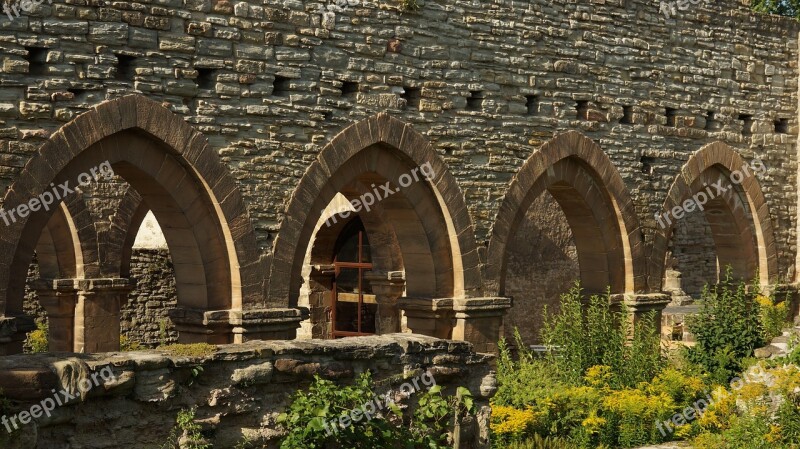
(237, 123)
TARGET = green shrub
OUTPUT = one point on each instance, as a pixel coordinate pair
(308, 421)
(524, 381)
(37, 341)
(583, 335)
(186, 434)
(538, 442)
(727, 329)
(774, 316)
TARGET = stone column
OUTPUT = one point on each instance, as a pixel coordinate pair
(59, 297)
(429, 316)
(320, 300)
(97, 313)
(388, 287)
(480, 321)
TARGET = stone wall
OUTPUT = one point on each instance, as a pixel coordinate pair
(239, 392)
(145, 317)
(270, 84)
(542, 264)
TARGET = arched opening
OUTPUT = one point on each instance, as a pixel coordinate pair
(598, 238)
(421, 232)
(724, 227)
(716, 203)
(355, 306)
(542, 264)
(172, 169)
(145, 316)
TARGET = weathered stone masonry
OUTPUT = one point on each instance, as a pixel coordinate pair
(239, 393)
(237, 122)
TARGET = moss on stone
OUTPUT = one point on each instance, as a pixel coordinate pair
(190, 350)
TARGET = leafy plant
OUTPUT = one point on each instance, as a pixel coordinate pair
(320, 418)
(194, 372)
(539, 442)
(789, 8)
(585, 334)
(410, 5)
(727, 328)
(127, 345)
(186, 434)
(163, 334)
(774, 316)
(37, 340)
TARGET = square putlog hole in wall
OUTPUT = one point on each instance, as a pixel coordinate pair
(126, 68)
(281, 86)
(412, 97)
(747, 124)
(647, 164)
(627, 115)
(349, 89)
(37, 60)
(206, 78)
(782, 126)
(672, 115)
(582, 108)
(712, 124)
(475, 100)
(532, 104)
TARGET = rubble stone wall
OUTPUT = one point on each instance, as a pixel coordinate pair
(238, 393)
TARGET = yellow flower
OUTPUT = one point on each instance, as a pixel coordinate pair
(764, 301)
(599, 376)
(508, 421)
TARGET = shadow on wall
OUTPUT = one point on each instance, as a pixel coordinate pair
(542, 264)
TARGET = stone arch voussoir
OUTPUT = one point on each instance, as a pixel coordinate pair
(584, 155)
(408, 144)
(711, 156)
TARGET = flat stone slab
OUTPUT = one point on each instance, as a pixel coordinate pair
(673, 445)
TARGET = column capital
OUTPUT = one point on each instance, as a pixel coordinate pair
(429, 316)
(489, 306)
(103, 285)
(388, 286)
(237, 326)
(480, 321)
(644, 302)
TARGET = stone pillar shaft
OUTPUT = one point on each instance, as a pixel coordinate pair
(59, 299)
(388, 287)
(97, 314)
